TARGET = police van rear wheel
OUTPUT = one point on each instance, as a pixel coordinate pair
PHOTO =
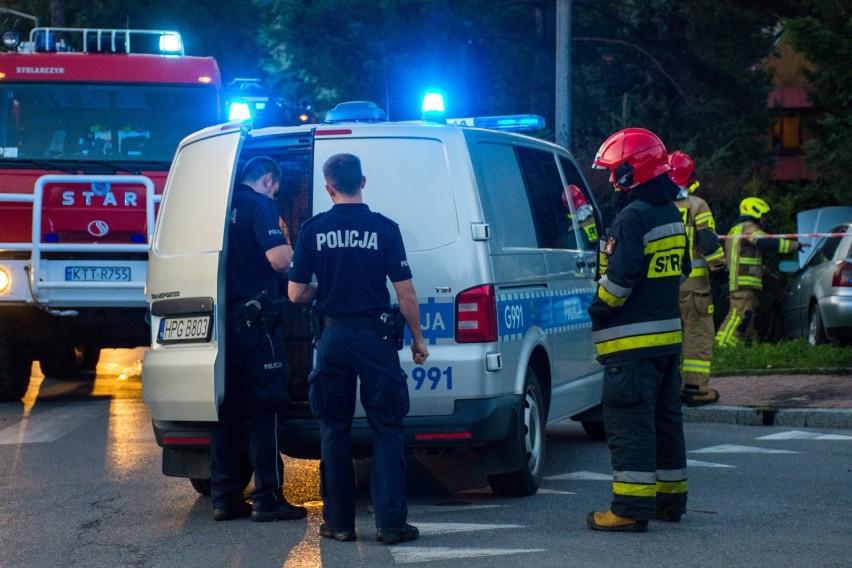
(531, 440)
(15, 370)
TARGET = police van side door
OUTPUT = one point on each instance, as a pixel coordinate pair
(183, 372)
(569, 280)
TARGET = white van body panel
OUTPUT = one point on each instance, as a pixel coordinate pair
(185, 381)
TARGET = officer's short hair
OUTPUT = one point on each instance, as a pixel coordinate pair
(259, 166)
(343, 172)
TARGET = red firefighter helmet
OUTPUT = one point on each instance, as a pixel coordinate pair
(682, 168)
(634, 156)
(582, 208)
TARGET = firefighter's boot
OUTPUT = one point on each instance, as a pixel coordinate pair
(609, 521)
(693, 399)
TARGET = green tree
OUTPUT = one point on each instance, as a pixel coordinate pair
(824, 35)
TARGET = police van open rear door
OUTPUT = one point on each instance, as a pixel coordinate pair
(183, 374)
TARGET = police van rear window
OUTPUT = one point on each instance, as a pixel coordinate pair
(408, 180)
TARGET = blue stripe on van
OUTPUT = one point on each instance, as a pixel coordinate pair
(437, 321)
(551, 310)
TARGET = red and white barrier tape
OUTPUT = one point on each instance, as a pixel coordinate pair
(783, 236)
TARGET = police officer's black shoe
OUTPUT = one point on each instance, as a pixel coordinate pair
(405, 533)
(342, 536)
(233, 512)
(284, 512)
(668, 515)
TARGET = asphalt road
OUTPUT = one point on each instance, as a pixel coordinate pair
(81, 485)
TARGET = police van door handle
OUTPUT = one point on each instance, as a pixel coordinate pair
(480, 231)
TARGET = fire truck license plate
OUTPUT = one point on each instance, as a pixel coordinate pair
(184, 330)
(97, 274)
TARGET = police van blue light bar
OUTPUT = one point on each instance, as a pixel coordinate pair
(514, 122)
(433, 101)
(239, 109)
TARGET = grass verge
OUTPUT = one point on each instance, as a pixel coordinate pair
(785, 357)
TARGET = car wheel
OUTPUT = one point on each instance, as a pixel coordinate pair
(201, 484)
(15, 370)
(816, 331)
(65, 361)
(531, 441)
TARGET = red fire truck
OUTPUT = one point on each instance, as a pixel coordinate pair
(89, 123)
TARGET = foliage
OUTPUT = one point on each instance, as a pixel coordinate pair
(687, 69)
(824, 35)
(791, 356)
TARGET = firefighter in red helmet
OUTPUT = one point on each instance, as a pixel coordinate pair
(696, 300)
(637, 333)
(580, 209)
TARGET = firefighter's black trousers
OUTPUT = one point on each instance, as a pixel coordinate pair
(644, 427)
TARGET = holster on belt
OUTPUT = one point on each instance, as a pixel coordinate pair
(263, 309)
(391, 326)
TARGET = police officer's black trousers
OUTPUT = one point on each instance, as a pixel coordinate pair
(255, 397)
(644, 427)
(342, 355)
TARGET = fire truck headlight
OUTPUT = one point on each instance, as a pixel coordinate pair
(5, 280)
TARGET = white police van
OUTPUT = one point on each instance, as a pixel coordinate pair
(503, 258)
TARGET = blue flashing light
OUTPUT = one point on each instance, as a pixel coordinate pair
(170, 43)
(239, 109)
(433, 102)
(50, 238)
(138, 238)
(514, 122)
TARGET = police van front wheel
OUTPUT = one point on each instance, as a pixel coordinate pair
(528, 445)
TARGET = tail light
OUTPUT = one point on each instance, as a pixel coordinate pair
(842, 274)
(476, 315)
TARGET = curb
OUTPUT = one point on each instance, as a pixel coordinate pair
(790, 417)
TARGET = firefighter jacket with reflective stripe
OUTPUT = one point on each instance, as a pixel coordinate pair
(706, 254)
(745, 256)
(635, 313)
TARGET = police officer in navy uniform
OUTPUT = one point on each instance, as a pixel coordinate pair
(636, 328)
(353, 252)
(256, 365)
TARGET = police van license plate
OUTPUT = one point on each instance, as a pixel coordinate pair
(97, 274)
(185, 329)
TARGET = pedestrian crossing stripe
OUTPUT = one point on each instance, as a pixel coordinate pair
(581, 476)
(734, 449)
(544, 491)
(411, 554)
(50, 425)
(799, 435)
(424, 509)
(452, 528)
(697, 463)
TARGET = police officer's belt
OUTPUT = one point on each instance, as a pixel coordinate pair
(352, 322)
